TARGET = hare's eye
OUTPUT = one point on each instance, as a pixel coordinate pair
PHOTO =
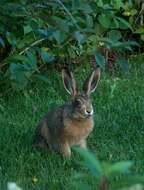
(78, 103)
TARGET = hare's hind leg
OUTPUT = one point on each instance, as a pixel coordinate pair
(40, 142)
(42, 138)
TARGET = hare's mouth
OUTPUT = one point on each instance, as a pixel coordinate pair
(89, 113)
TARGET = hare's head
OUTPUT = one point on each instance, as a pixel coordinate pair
(81, 102)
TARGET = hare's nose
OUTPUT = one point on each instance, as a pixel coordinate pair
(89, 112)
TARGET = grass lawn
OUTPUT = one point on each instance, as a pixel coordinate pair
(118, 133)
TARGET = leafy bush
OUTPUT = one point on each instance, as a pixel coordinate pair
(104, 173)
(36, 33)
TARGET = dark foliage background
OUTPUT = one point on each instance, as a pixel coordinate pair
(38, 34)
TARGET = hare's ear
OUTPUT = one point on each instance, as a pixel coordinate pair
(69, 82)
(91, 82)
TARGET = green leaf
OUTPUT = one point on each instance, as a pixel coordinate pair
(26, 41)
(104, 20)
(119, 167)
(85, 7)
(27, 29)
(100, 3)
(2, 42)
(124, 23)
(100, 60)
(118, 4)
(46, 57)
(59, 36)
(79, 37)
(89, 21)
(140, 30)
(61, 23)
(115, 23)
(29, 61)
(20, 58)
(123, 63)
(36, 23)
(32, 60)
(115, 35)
(11, 38)
(14, 9)
(90, 161)
(46, 32)
(125, 45)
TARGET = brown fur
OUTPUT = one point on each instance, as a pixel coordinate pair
(69, 124)
(74, 130)
(68, 132)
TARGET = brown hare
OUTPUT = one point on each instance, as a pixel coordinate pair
(71, 123)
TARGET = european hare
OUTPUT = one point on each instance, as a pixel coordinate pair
(71, 123)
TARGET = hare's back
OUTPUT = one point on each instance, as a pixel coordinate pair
(50, 126)
(54, 119)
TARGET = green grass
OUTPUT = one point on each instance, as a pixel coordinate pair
(118, 133)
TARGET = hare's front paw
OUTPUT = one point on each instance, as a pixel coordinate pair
(65, 150)
(82, 143)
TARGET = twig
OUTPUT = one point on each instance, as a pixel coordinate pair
(68, 12)
(140, 13)
(31, 45)
(3, 63)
